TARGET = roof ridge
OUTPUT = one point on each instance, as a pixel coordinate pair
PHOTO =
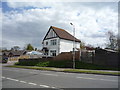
(58, 28)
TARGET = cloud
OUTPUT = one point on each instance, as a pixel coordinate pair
(31, 24)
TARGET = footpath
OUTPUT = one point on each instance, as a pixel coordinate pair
(68, 70)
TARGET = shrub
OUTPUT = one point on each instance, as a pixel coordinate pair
(65, 64)
(43, 64)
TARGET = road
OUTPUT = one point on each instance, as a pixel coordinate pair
(27, 78)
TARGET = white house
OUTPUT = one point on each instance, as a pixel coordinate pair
(58, 40)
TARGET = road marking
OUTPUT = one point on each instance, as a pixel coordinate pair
(52, 87)
(96, 79)
(51, 74)
(44, 86)
(32, 83)
(29, 83)
(33, 72)
(108, 80)
(23, 82)
(12, 79)
(3, 77)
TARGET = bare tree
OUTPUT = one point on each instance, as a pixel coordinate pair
(112, 44)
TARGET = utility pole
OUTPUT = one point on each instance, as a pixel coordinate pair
(73, 46)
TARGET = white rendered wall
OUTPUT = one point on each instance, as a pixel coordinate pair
(61, 45)
(67, 46)
(51, 47)
(51, 34)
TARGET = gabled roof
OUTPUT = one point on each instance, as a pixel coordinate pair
(21, 52)
(5, 53)
(63, 34)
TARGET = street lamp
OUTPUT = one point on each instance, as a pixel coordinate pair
(73, 46)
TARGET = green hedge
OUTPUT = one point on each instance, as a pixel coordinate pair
(65, 64)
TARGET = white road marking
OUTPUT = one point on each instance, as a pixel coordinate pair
(3, 77)
(32, 83)
(51, 74)
(12, 79)
(29, 83)
(52, 87)
(96, 75)
(33, 72)
(96, 79)
(68, 73)
(108, 80)
(23, 82)
(44, 86)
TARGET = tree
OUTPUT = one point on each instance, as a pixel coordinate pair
(4, 49)
(82, 45)
(112, 44)
(15, 48)
(29, 47)
(35, 49)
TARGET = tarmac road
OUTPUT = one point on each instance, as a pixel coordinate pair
(28, 78)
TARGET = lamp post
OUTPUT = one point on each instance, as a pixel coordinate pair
(73, 46)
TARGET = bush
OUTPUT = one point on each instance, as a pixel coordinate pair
(17, 63)
(61, 64)
(43, 64)
(65, 64)
(27, 63)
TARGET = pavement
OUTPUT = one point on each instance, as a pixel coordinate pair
(28, 78)
(9, 63)
(57, 69)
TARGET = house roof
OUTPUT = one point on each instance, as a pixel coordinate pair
(63, 34)
(21, 52)
(89, 48)
(6, 53)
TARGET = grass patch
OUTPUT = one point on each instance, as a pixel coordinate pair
(30, 67)
(67, 70)
(91, 72)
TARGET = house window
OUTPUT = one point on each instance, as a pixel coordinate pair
(53, 52)
(53, 42)
(46, 43)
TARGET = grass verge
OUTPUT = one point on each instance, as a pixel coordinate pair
(68, 70)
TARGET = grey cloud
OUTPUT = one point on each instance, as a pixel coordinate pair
(32, 25)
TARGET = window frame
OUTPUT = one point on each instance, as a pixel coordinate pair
(53, 42)
(53, 52)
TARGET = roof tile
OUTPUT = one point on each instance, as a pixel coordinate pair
(64, 34)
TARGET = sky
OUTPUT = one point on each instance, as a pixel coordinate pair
(28, 22)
